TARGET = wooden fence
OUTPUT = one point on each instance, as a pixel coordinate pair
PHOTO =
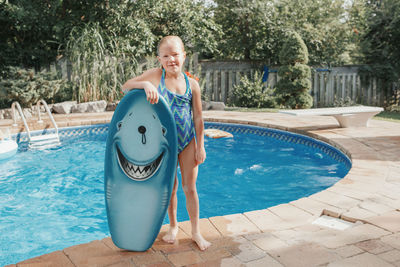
(338, 84)
(218, 78)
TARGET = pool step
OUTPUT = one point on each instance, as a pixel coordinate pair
(44, 141)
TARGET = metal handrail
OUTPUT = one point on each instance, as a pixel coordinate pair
(15, 103)
(48, 113)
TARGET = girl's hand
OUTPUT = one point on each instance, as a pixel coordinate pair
(200, 155)
(151, 93)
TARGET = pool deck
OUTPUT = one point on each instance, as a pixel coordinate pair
(282, 235)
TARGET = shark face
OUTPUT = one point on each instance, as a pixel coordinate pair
(144, 132)
(139, 170)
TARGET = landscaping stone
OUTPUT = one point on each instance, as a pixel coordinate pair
(6, 114)
(374, 246)
(184, 258)
(362, 260)
(95, 106)
(348, 251)
(234, 224)
(263, 262)
(247, 252)
(205, 105)
(389, 221)
(391, 256)
(217, 105)
(304, 255)
(212, 105)
(112, 106)
(63, 107)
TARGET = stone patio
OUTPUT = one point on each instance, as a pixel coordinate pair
(282, 235)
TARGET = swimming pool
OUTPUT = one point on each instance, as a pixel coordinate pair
(53, 199)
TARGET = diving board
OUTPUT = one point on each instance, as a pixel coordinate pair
(356, 116)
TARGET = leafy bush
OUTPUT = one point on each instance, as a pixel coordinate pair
(343, 102)
(250, 93)
(99, 67)
(28, 87)
(294, 84)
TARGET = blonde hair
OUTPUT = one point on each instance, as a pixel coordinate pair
(170, 38)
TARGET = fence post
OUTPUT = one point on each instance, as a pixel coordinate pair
(223, 87)
(215, 85)
(315, 90)
(208, 86)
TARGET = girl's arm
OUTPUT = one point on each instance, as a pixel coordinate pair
(145, 81)
(200, 155)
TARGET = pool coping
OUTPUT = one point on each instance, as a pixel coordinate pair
(283, 235)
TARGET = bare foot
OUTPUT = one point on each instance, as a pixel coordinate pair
(170, 236)
(200, 241)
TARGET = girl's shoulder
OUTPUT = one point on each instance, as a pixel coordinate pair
(152, 75)
(194, 85)
(153, 72)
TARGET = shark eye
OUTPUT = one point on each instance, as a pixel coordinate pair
(164, 131)
(154, 116)
(119, 125)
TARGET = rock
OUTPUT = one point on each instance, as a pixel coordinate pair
(95, 106)
(216, 105)
(112, 106)
(28, 112)
(63, 107)
(6, 114)
(205, 105)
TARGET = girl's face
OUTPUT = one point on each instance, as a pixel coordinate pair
(172, 56)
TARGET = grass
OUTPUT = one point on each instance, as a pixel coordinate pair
(393, 116)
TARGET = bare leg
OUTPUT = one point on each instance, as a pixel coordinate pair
(170, 236)
(189, 172)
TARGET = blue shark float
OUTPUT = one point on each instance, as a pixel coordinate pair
(139, 170)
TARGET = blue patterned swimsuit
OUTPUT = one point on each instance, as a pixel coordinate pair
(181, 107)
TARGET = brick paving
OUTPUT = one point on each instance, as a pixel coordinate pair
(282, 235)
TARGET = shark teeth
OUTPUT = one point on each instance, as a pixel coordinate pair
(138, 172)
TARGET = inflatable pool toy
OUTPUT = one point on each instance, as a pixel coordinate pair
(8, 148)
(139, 170)
(215, 133)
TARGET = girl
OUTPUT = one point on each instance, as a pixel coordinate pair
(183, 95)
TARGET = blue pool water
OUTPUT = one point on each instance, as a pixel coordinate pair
(52, 199)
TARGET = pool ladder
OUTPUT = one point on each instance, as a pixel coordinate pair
(41, 141)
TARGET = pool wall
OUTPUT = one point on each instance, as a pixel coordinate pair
(101, 130)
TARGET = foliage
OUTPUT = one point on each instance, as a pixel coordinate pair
(249, 29)
(381, 40)
(26, 33)
(250, 93)
(343, 102)
(256, 29)
(292, 89)
(28, 87)
(99, 67)
(322, 24)
(191, 20)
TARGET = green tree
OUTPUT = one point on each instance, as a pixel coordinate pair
(191, 20)
(249, 30)
(381, 40)
(26, 35)
(294, 84)
(322, 24)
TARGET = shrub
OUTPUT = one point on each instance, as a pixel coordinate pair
(250, 93)
(344, 102)
(28, 87)
(99, 67)
(294, 84)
